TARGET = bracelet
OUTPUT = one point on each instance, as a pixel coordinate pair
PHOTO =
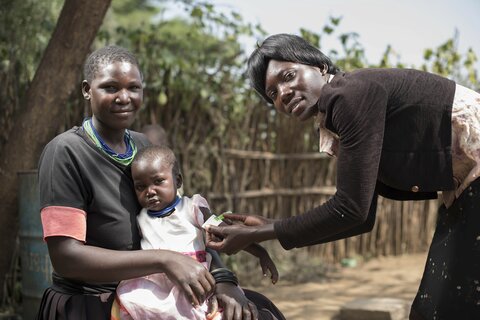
(224, 275)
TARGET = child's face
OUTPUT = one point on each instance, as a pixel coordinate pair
(155, 184)
(116, 94)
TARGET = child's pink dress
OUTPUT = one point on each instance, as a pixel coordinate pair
(155, 296)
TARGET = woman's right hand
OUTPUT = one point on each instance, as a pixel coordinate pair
(191, 276)
(75, 260)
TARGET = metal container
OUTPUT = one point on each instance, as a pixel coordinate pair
(34, 259)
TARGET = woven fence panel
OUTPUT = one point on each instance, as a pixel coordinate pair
(282, 185)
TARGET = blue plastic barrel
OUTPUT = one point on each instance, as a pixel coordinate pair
(34, 259)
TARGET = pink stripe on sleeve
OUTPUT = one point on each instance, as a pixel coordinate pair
(64, 221)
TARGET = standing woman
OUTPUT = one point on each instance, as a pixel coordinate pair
(89, 206)
(400, 133)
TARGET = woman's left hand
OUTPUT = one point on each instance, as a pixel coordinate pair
(234, 303)
(242, 231)
(229, 239)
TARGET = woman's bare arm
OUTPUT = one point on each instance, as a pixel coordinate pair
(74, 260)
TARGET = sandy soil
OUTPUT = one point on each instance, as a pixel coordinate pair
(387, 277)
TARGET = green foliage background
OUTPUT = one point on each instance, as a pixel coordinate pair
(193, 66)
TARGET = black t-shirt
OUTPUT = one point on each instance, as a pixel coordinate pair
(74, 173)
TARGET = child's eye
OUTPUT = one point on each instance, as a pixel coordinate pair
(159, 181)
(139, 187)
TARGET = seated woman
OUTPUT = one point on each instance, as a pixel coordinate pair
(89, 206)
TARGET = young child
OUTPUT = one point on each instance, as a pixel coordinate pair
(169, 222)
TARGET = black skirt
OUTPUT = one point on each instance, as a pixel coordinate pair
(58, 305)
(450, 286)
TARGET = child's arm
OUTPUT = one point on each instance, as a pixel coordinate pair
(254, 249)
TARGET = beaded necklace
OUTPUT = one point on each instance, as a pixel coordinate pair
(123, 158)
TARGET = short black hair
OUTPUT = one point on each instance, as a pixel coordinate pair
(107, 55)
(284, 47)
(153, 152)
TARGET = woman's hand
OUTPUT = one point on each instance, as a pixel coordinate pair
(234, 303)
(191, 276)
(74, 260)
(229, 239)
(244, 231)
(247, 220)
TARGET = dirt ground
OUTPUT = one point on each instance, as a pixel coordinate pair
(387, 277)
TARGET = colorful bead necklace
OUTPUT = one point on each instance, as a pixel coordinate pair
(123, 158)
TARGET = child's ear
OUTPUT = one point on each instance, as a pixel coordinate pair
(179, 180)
(86, 89)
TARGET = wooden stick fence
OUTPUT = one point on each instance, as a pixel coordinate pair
(281, 185)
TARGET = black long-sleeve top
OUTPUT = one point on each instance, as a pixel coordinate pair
(395, 136)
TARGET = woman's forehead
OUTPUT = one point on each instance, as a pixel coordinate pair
(117, 68)
(274, 66)
(122, 66)
(275, 70)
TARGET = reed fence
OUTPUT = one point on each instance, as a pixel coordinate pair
(282, 185)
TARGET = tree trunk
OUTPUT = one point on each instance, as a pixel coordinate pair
(44, 106)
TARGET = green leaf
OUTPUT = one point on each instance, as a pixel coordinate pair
(427, 54)
(196, 12)
(327, 29)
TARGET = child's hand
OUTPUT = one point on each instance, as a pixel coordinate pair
(233, 302)
(267, 264)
